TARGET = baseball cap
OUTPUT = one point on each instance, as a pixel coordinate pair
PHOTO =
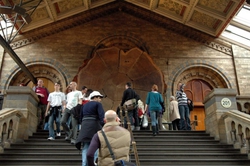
(95, 94)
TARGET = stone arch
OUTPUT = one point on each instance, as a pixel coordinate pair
(239, 106)
(10, 130)
(247, 107)
(208, 73)
(124, 42)
(51, 70)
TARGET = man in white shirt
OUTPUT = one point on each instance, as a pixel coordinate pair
(73, 98)
(56, 101)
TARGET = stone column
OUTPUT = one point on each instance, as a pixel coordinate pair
(216, 103)
(25, 100)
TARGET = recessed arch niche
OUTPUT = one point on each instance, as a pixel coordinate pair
(39, 71)
(205, 73)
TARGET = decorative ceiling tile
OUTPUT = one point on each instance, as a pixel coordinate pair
(69, 5)
(40, 14)
(221, 6)
(205, 20)
(170, 6)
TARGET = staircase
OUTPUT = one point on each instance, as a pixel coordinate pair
(37, 150)
(170, 148)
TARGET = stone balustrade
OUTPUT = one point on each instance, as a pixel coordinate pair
(243, 104)
(224, 121)
(18, 119)
(238, 130)
(9, 125)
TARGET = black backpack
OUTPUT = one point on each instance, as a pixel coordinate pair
(190, 105)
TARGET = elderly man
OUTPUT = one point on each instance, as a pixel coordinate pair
(42, 94)
(119, 139)
(174, 113)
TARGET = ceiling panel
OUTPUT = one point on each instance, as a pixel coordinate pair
(208, 16)
(68, 5)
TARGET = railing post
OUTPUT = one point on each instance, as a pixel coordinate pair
(25, 100)
(218, 102)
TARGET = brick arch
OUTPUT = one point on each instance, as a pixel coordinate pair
(124, 42)
(210, 74)
(50, 70)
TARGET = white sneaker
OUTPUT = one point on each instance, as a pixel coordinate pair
(51, 138)
(72, 141)
(67, 138)
(58, 134)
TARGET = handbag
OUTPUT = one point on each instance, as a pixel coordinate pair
(116, 162)
(130, 104)
(145, 120)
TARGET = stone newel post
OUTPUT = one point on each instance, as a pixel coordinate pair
(216, 103)
(25, 100)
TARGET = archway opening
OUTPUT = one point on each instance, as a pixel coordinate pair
(199, 80)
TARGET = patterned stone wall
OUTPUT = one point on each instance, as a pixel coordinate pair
(172, 53)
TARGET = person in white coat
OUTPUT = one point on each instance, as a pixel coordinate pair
(174, 113)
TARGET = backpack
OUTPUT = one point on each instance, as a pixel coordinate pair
(190, 105)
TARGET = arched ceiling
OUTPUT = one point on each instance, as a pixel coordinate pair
(208, 16)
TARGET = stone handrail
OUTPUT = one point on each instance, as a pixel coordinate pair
(9, 124)
(237, 125)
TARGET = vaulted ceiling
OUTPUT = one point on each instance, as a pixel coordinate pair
(208, 16)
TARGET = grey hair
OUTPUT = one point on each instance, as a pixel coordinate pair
(172, 97)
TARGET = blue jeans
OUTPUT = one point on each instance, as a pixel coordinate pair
(185, 120)
(84, 154)
(53, 117)
(154, 117)
(72, 133)
(133, 117)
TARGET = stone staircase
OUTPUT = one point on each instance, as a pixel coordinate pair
(169, 148)
(37, 150)
(172, 148)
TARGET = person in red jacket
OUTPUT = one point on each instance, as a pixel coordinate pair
(42, 94)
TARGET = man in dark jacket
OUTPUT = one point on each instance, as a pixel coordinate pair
(128, 95)
(92, 116)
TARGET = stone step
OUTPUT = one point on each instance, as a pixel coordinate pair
(197, 162)
(181, 150)
(174, 148)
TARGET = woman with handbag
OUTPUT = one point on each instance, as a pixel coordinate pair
(153, 102)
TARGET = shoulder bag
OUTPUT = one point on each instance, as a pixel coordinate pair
(145, 120)
(116, 162)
